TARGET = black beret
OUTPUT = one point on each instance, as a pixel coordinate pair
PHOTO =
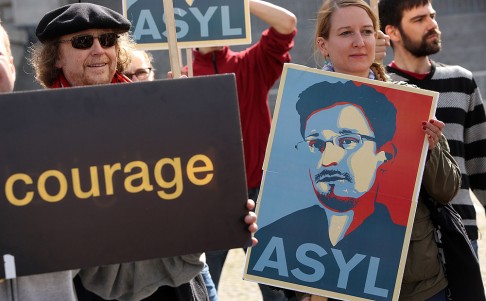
(78, 17)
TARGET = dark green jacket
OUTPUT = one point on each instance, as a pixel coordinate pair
(424, 275)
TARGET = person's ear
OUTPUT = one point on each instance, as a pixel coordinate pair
(321, 44)
(382, 158)
(12, 67)
(393, 33)
(387, 152)
(58, 64)
(59, 60)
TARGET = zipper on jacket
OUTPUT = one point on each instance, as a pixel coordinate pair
(215, 65)
(12, 285)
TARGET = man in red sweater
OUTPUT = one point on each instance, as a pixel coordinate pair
(257, 69)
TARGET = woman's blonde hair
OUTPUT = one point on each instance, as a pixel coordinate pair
(43, 58)
(323, 26)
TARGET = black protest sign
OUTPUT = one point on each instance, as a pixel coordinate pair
(119, 173)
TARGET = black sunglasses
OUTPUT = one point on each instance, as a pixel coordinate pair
(86, 41)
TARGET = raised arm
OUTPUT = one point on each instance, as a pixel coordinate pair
(277, 17)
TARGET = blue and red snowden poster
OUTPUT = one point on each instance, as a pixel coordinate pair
(342, 175)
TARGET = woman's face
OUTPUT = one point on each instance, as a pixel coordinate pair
(351, 42)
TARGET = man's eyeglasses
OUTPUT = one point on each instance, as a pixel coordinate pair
(86, 41)
(141, 73)
(345, 141)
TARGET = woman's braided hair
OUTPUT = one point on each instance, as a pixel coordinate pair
(379, 72)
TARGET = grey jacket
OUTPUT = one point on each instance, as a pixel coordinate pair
(52, 286)
(137, 280)
(126, 282)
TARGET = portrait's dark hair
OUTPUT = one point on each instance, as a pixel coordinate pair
(381, 114)
(391, 11)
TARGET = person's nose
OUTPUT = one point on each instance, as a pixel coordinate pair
(432, 24)
(331, 155)
(134, 78)
(96, 47)
(358, 40)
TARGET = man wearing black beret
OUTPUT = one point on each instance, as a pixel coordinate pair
(86, 44)
(81, 44)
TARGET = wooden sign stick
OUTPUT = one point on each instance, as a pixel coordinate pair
(172, 38)
(374, 7)
(190, 72)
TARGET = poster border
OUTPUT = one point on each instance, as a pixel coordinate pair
(418, 178)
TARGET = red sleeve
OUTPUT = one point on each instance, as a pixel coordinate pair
(270, 53)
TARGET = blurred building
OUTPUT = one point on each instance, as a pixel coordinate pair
(462, 22)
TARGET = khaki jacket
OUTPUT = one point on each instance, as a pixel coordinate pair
(424, 275)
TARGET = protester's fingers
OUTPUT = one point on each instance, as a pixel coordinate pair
(433, 131)
(437, 123)
(250, 219)
(382, 39)
(250, 204)
(380, 53)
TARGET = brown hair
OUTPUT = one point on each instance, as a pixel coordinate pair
(43, 58)
(324, 20)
